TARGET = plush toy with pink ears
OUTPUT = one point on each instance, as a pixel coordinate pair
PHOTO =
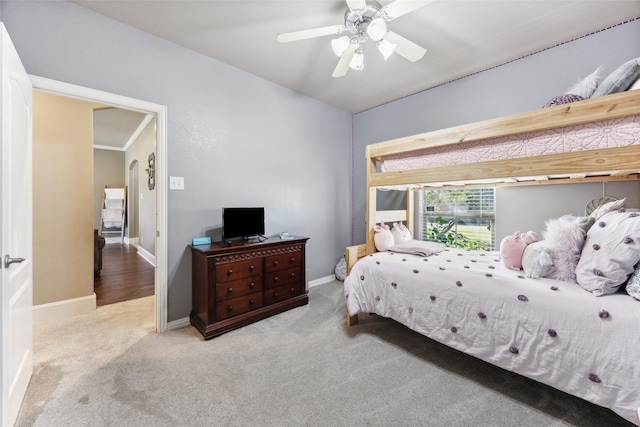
(400, 233)
(383, 238)
(512, 248)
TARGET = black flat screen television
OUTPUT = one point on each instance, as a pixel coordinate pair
(242, 223)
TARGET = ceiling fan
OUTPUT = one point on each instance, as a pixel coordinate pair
(365, 20)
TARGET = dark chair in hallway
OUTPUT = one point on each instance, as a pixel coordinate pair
(98, 245)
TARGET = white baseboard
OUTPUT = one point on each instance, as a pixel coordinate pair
(148, 256)
(322, 280)
(178, 324)
(63, 309)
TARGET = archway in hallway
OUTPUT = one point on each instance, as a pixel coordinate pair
(134, 215)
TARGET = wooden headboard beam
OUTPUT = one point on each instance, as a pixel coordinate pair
(590, 110)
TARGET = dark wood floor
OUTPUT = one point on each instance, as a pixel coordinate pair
(125, 275)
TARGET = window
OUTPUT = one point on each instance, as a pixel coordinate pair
(461, 218)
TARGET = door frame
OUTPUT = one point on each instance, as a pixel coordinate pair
(160, 111)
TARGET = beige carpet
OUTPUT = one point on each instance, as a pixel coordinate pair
(300, 368)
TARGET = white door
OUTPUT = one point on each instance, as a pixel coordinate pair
(16, 282)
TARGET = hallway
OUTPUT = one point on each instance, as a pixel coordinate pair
(125, 275)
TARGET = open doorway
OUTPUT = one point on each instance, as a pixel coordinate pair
(124, 211)
(159, 224)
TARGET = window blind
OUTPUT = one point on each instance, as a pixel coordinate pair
(459, 217)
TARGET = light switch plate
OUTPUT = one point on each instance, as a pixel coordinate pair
(176, 183)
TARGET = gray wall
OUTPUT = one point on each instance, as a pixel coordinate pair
(527, 208)
(235, 138)
(137, 156)
(522, 85)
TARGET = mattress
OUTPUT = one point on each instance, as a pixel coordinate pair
(551, 331)
(589, 136)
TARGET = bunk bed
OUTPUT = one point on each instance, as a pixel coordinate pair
(552, 331)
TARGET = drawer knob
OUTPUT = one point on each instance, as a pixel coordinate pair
(292, 260)
(229, 272)
(251, 302)
(292, 275)
(275, 295)
(292, 290)
(251, 268)
(229, 309)
(275, 279)
(252, 285)
(275, 263)
(230, 290)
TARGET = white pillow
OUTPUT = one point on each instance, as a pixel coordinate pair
(611, 251)
(565, 237)
(607, 207)
(585, 87)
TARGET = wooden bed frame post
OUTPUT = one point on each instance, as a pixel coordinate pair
(410, 206)
(371, 204)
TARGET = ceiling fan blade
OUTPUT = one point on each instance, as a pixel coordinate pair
(343, 64)
(309, 34)
(402, 7)
(404, 47)
(356, 5)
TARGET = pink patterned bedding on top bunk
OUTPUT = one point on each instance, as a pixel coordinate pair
(551, 331)
(590, 136)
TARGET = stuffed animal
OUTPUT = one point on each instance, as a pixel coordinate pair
(383, 238)
(341, 269)
(541, 263)
(400, 233)
(512, 248)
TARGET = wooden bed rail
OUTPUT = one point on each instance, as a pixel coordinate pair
(608, 107)
(352, 255)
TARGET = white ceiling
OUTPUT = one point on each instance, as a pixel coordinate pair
(461, 37)
(115, 128)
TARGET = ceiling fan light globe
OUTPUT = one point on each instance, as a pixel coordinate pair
(357, 61)
(386, 48)
(339, 45)
(376, 29)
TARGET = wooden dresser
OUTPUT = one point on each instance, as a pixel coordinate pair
(235, 285)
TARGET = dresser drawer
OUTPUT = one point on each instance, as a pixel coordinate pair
(237, 288)
(236, 306)
(280, 293)
(277, 278)
(278, 262)
(238, 270)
